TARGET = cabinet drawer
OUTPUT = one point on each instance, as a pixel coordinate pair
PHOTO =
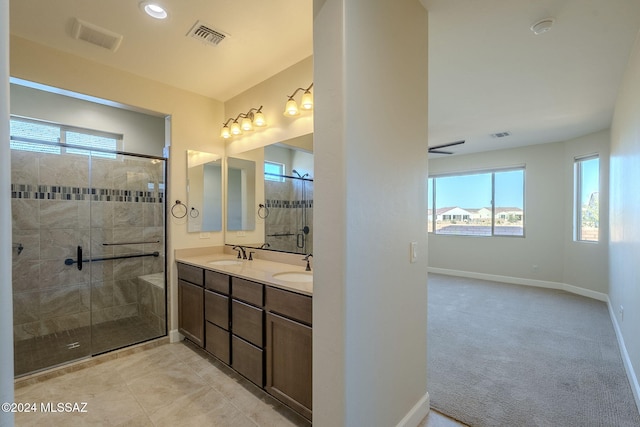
(217, 342)
(289, 304)
(248, 360)
(246, 322)
(247, 291)
(190, 274)
(216, 309)
(218, 282)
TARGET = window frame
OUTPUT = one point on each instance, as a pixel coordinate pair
(268, 176)
(577, 197)
(431, 189)
(62, 144)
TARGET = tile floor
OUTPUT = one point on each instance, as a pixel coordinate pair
(165, 385)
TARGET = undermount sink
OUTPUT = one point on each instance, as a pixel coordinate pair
(225, 262)
(294, 276)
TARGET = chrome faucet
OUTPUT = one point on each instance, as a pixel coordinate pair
(306, 258)
(240, 250)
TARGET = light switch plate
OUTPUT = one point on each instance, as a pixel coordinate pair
(413, 252)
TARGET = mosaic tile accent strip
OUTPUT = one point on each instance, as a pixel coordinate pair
(56, 192)
(288, 204)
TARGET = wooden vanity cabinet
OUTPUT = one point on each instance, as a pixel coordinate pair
(247, 329)
(191, 303)
(289, 348)
(216, 315)
(262, 332)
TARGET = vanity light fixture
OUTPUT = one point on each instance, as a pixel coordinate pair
(154, 10)
(253, 117)
(306, 103)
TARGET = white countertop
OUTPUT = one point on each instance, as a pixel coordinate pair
(258, 270)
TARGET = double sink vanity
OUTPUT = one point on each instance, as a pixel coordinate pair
(253, 315)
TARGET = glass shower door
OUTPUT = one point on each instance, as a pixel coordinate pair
(50, 220)
(89, 249)
(127, 247)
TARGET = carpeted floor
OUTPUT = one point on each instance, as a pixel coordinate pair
(509, 355)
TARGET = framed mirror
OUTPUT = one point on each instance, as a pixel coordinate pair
(241, 194)
(204, 191)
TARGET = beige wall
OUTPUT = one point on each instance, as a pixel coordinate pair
(624, 243)
(549, 241)
(194, 122)
(272, 95)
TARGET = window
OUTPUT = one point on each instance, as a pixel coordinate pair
(487, 203)
(43, 137)
(587, 198)
(274, 171)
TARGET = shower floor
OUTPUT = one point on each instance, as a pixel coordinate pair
(47, 351)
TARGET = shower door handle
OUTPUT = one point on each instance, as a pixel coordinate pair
(79, 258)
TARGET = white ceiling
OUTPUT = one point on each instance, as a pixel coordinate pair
(264, 38)
(488, 72)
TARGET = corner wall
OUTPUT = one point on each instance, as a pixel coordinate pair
(548, 243)
(6, 298)
(370, 301)
(624, 242)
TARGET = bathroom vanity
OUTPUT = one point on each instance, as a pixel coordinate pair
(255, 316)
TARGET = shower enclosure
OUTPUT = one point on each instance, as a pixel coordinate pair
(289, 212)
(89, 250)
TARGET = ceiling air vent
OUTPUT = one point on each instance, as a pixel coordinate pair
(500, 134)
(93, 34)
(206, 34)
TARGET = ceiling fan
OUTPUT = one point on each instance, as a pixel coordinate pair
(436, 149)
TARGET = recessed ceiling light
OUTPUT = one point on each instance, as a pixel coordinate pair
(154, 10)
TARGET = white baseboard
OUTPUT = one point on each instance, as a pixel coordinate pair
(419, 411)
(522, 281)
(631, 374)
(175, 336)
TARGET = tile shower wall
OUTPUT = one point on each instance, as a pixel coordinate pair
(55, 210)
(285, 220)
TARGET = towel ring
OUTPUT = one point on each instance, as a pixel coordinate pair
(176, 214)
(194, 213)
(263, 211)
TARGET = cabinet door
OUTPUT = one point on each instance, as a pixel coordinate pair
(191, 311)
(289, 362)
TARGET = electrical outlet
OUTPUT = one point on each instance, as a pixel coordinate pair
(205, 235)
(240, 234)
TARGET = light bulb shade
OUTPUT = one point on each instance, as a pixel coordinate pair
(307, 101)
(225, 132)
(246, 124)
(291, 109)
(235, 128)
(259, 120)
